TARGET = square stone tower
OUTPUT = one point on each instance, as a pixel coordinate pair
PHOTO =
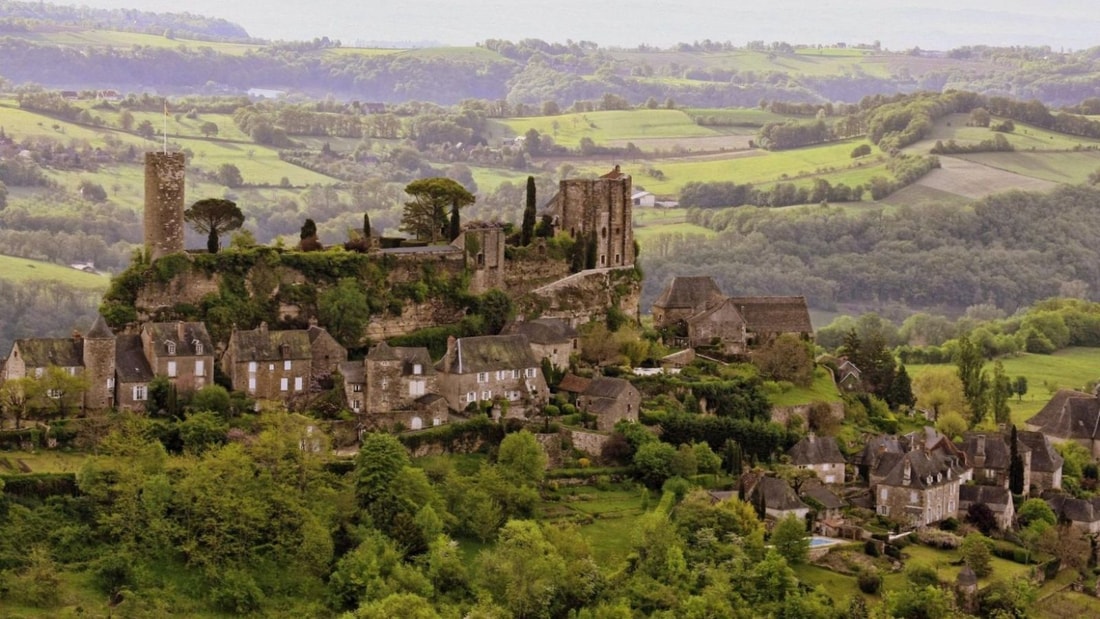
(600, 207)
(164, 181)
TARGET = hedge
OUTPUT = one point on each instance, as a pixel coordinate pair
(40, 485)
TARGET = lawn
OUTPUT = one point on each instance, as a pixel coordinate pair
(1024, 138)
(745, 116)
(1070, 368)
(258, 164)
(823, 389)
(607, 517)
(23, 270)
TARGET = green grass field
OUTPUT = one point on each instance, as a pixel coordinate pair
(1025, 138)
(1071, 168)
(76, 37)
(1071, 368)
(747, 116)
(613, 514)
(603, 127)
(23, 270)
(823, 389)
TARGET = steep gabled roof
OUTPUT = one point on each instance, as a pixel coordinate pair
(876, 448)
(571, 383)
(996, 448)
(352, 371)
(1075, 510)
(997, 498)
(130, 362)
(99, 330)
(182, 334)
(778, 494)
(926, 469)
(488, 353)
(42, 352)
(1069, 414)
(816, 450)
(264, 345)
(382, 352)
(820, 493)
(542, 330)
(415, 355)
(775, 314)
(723, 311)
(695, 293)
(1044, 458)
(605, 387)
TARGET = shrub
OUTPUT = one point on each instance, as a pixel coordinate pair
(870, 548)
(870, 581)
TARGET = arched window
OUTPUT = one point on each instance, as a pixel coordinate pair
(603, 232)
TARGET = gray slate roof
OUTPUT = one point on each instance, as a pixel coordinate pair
(99, 330)
(775, 314)
(1069, 414)
(996, 498)
(694, 293)
(266, 345)
(816, 450)
(927, 469)
(818, 492)
(183, 334)
(352, 371)
(542, 330)
(998, 453)
(130, 362)
(604, 387)
(488, 353)
(1044, 458)
(778, 494)
(42, 352)
(407, 355)
(1075, 510)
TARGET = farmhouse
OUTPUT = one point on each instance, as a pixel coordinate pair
(821, 455)
(276, 365)
(492, 369)
(1070, 416)
(919, 487)
(611, 400)
(989, 454)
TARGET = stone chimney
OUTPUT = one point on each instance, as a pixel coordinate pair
(263, 328)
(180, 331)
(449, 358)
(906, 472)
(979, 455)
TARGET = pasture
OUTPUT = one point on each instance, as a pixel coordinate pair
(94, 38)
(1070, 368)
(973, 180)
(23, 270)
(604, 127)
(1024, 138)
(1065, 167)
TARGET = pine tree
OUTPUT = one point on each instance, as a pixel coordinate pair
(901, 390)
(527, 231)
(1016, 466)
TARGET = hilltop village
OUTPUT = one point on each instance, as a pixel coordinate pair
(494, 332)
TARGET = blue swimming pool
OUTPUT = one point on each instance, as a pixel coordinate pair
(817, 541)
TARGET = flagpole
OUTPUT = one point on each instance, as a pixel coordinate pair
(166, 125)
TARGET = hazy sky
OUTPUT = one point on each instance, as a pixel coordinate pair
(898, 24)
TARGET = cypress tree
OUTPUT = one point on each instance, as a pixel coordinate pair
(527, 232)
(1016, 466)
(456, 222)
(366, 225)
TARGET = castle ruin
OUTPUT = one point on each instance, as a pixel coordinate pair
(164, 185)
(600, 207)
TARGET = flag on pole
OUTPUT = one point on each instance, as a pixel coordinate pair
(166, 125)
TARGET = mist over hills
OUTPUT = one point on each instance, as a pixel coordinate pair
(931, 24)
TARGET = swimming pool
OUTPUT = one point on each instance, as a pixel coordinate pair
(817, 541)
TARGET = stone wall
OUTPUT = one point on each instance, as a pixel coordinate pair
(526, 274)
(585, 296)
(431, 313)
(588, 442)
(782, 414)
(164, 199)
(187, 287)
(552, 444)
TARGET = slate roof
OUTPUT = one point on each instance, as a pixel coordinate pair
(407, 355)
(1075, 510)
(542, 330)
(816, 450)
(1044, 458)
(876, 448)
(604, 387)
(42, 352)
(775, 314)
(382, 352)
(818, 492)
(352, 371)
(726, 311)
(489, 353)
(184, 334)
(99, 330)
(1069, 414)
(694, 293)
(130, 362)
(998, 453)
(778, 494)
(997, 498)
(571, 383)
(265, 345)
(927, 469)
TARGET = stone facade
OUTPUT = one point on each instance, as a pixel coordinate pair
(600, 207)
(99, 366)
(393, 380)
(920, 488)
(486, 265)
(495, 369)
(164, 203)
(181, 351)
(278, 365)
(611, 400)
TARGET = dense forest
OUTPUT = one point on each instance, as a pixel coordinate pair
(1009, 250)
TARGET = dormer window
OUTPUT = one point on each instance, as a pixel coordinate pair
(170, 346)
(418, 369)
(198, 347)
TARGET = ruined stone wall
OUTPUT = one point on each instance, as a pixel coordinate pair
(603, 207)
(524, 275)
(431, 313)
(586, 296)
(189, 286)
(782, 414)
(589, 442)
(164, 204)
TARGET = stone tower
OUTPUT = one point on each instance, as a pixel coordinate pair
(484, 245)
(164, 180)
(99, 365)
(602, 207)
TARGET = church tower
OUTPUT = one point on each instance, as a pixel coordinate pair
(164, 181)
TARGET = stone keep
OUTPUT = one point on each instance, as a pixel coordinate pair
(164, 182)
(602, 207)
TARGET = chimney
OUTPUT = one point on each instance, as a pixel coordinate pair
(77, 336)
(179, 331)
(906, 472)
(449, 357)
(263, 328)
(979, 455)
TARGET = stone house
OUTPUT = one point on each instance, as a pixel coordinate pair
(848, 377)
(989, 455)
(394, 384)
(1046, 462)
(919, 487)
(494, 369)
(694, 312)
(181, 351)
(824, 501)
(550, 338)
(821, 455)
(997, 498)
(277, 365)
(132, 373)
(774, 495)
(1070, 416)
(91, 356)
(611, 400)
(1081, 514)
(573, 386)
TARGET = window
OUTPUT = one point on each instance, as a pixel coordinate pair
(297, 383)
(357, 388)
(416, 388)
(355, 405)
(198, 347)
(252, 367)
(486, 395)
(110, 383)
(271, 367)
(437, 421)
(913, 497)
(252, 384)
(54, 393)
(882, 494)
(883, 510)
(482, 377)
(471, 396)
(200, 367)
(515, 373)
(139, 393)
(501, 374)
(418, 369)
(284, 384)
(531, 372)
(38, 372)
(171, 369)
(286, 365)
(171, 347)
